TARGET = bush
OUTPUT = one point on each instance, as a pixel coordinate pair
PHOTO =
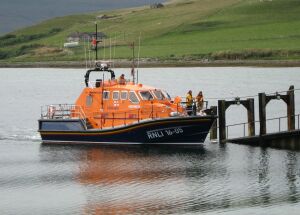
(55, 30)
(243, 55)
(11, 39)
(8, 36)
(3, 55)
(25, 49)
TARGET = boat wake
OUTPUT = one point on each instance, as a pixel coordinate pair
(21, 137)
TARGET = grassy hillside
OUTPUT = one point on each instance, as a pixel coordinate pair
(189, 29)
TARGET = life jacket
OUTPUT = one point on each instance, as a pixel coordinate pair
(189, 100)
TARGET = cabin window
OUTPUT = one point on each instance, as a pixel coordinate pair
(133, 98)
(124, 95)
(106, 95)
(146, 95)
(116, 95)
(158, 94)
(89, 101)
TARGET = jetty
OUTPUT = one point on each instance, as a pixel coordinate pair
(283, 138)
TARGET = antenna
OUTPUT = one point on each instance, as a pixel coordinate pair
(104, 49)
(110, 49)
(138, 65)
(114, 49)
(90, 58)
(85, 57)
(133, 63)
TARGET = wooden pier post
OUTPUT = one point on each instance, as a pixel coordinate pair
(214, 127)
(291, 108)
(289, 99)
(223, 105)
(281, 139)
(262, 113)
(222, 120)
(251, 117)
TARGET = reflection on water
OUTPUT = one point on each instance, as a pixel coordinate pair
(291, 176)
(147, 180)
(263, 177)
(209, 179)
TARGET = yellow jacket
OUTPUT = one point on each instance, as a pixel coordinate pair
(189, 100)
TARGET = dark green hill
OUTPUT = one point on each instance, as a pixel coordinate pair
(194, 29)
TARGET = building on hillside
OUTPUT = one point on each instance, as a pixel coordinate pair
(85, 36)
(156, 5)
(71, 44)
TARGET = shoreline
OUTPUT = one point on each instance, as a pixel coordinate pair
(158, 63)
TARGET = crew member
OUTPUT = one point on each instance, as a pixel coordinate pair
(121, 79)
(189, 103)
(200, 101)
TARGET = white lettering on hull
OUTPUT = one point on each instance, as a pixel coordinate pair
(159, 133)
(155, 134)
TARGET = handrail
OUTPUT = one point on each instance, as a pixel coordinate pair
(63, 111)
(72, 111)
(195, 103)
(282, 117)
(270, 119)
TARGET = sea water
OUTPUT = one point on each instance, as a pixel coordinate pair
(207, 179)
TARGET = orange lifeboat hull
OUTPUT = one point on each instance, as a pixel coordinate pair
(173, 130)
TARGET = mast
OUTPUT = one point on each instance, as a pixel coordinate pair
(138, 64)
(95, 42)
(96, 48)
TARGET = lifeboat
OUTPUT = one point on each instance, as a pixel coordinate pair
(120, 111)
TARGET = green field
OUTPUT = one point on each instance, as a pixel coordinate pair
(183, 29)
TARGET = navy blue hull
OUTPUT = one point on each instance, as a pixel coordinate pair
(162, 131)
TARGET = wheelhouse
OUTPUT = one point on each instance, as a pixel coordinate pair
(110, 103)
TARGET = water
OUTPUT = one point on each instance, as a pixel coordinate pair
(207, 179)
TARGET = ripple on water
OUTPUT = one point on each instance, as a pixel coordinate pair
(212, 179)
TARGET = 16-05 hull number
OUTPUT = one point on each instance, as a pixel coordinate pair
(160, 133)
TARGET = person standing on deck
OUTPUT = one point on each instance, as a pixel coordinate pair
(200, 101)
(189, 103)
(121, 79)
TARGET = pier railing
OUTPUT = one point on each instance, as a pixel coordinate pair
(244, 125)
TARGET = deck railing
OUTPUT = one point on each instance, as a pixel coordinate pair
(125, 118)
(71, 111)
(63, 111)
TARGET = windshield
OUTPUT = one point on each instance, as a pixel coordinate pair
(146, 95)
(158, 94)
(166, 95)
